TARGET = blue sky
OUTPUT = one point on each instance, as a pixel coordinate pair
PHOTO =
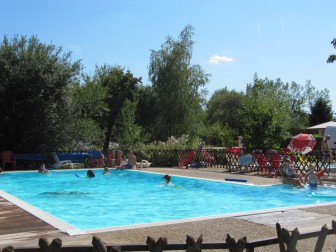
(287, 39)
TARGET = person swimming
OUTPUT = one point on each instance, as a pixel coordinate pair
(167, 179)
(43, 169)
(90, 174)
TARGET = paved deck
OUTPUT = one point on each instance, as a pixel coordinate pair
(20, 228)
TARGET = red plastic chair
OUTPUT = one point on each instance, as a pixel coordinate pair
(274, 166)
(97, 159)
(114, 158)
(235, 151)
(261, 161)
(187, 159)
(209, 158)
(8, 157)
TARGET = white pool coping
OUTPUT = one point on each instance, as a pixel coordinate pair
(72, 230)
(46, 217)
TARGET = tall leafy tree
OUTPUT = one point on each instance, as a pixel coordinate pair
(266, 113)
(320, 112)
(120, 86)
(129, 136)
(88, 106)
(223, 107)
(34, 98)
(146, 111)
(177, 84)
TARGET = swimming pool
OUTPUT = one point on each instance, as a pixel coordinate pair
(127, 197)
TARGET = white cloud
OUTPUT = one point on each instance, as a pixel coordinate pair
(217, 59)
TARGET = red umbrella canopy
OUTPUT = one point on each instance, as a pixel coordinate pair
(302, 143)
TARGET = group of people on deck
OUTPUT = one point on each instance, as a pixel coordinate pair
(290, 176)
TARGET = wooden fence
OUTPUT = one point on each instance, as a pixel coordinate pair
(287, 242)
(223, 159)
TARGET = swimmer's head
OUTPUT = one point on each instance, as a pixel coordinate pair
(166, 178)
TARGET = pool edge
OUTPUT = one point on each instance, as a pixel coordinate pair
(44, 216)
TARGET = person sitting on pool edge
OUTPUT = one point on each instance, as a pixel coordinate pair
(167, 179)
(131, 162)
(289, 174)
(312, 177)
(90, 174)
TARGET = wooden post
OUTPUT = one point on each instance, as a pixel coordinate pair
(156, 246)
(234, 246)
(333, 224)
(285, 238)
(194, 246)
(55, 245)
(321, 238)
(280, 238)
(293, 240)
(98, 244)
(8, 249)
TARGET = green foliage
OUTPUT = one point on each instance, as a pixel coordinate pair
(320, 112)
(146, 111)
(176, 86)
(332, 57)
(173, 143)
(218, 135)
(34, 100)
(129, 136)
(223, 108)
(44, 107)
(266, 113)
(120, 86)
(82, 133)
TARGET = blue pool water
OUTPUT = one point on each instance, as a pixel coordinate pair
(129, 197)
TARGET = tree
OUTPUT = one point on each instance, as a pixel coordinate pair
(146, 111)
(320, 112)
(223, 107)
(34, 94)
(266, 113)
(130, 133)
(120, 86)
(88, 106)
(332, 57)
(176, 85)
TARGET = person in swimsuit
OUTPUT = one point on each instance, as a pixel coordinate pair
(288, 171)
(131, 161)
(90, 174)
(312, 178)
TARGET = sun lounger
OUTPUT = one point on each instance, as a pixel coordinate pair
(60, 163)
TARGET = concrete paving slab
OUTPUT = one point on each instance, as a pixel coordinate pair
(291, 219)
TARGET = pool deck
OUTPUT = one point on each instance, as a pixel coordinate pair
(20, 228)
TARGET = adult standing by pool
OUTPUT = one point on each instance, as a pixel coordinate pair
(325, 148)
(240, 142)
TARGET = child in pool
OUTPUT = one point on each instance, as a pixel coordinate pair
(43, 169)
(106, 171)
(312, 177)
(166, 179)
(90, 174)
